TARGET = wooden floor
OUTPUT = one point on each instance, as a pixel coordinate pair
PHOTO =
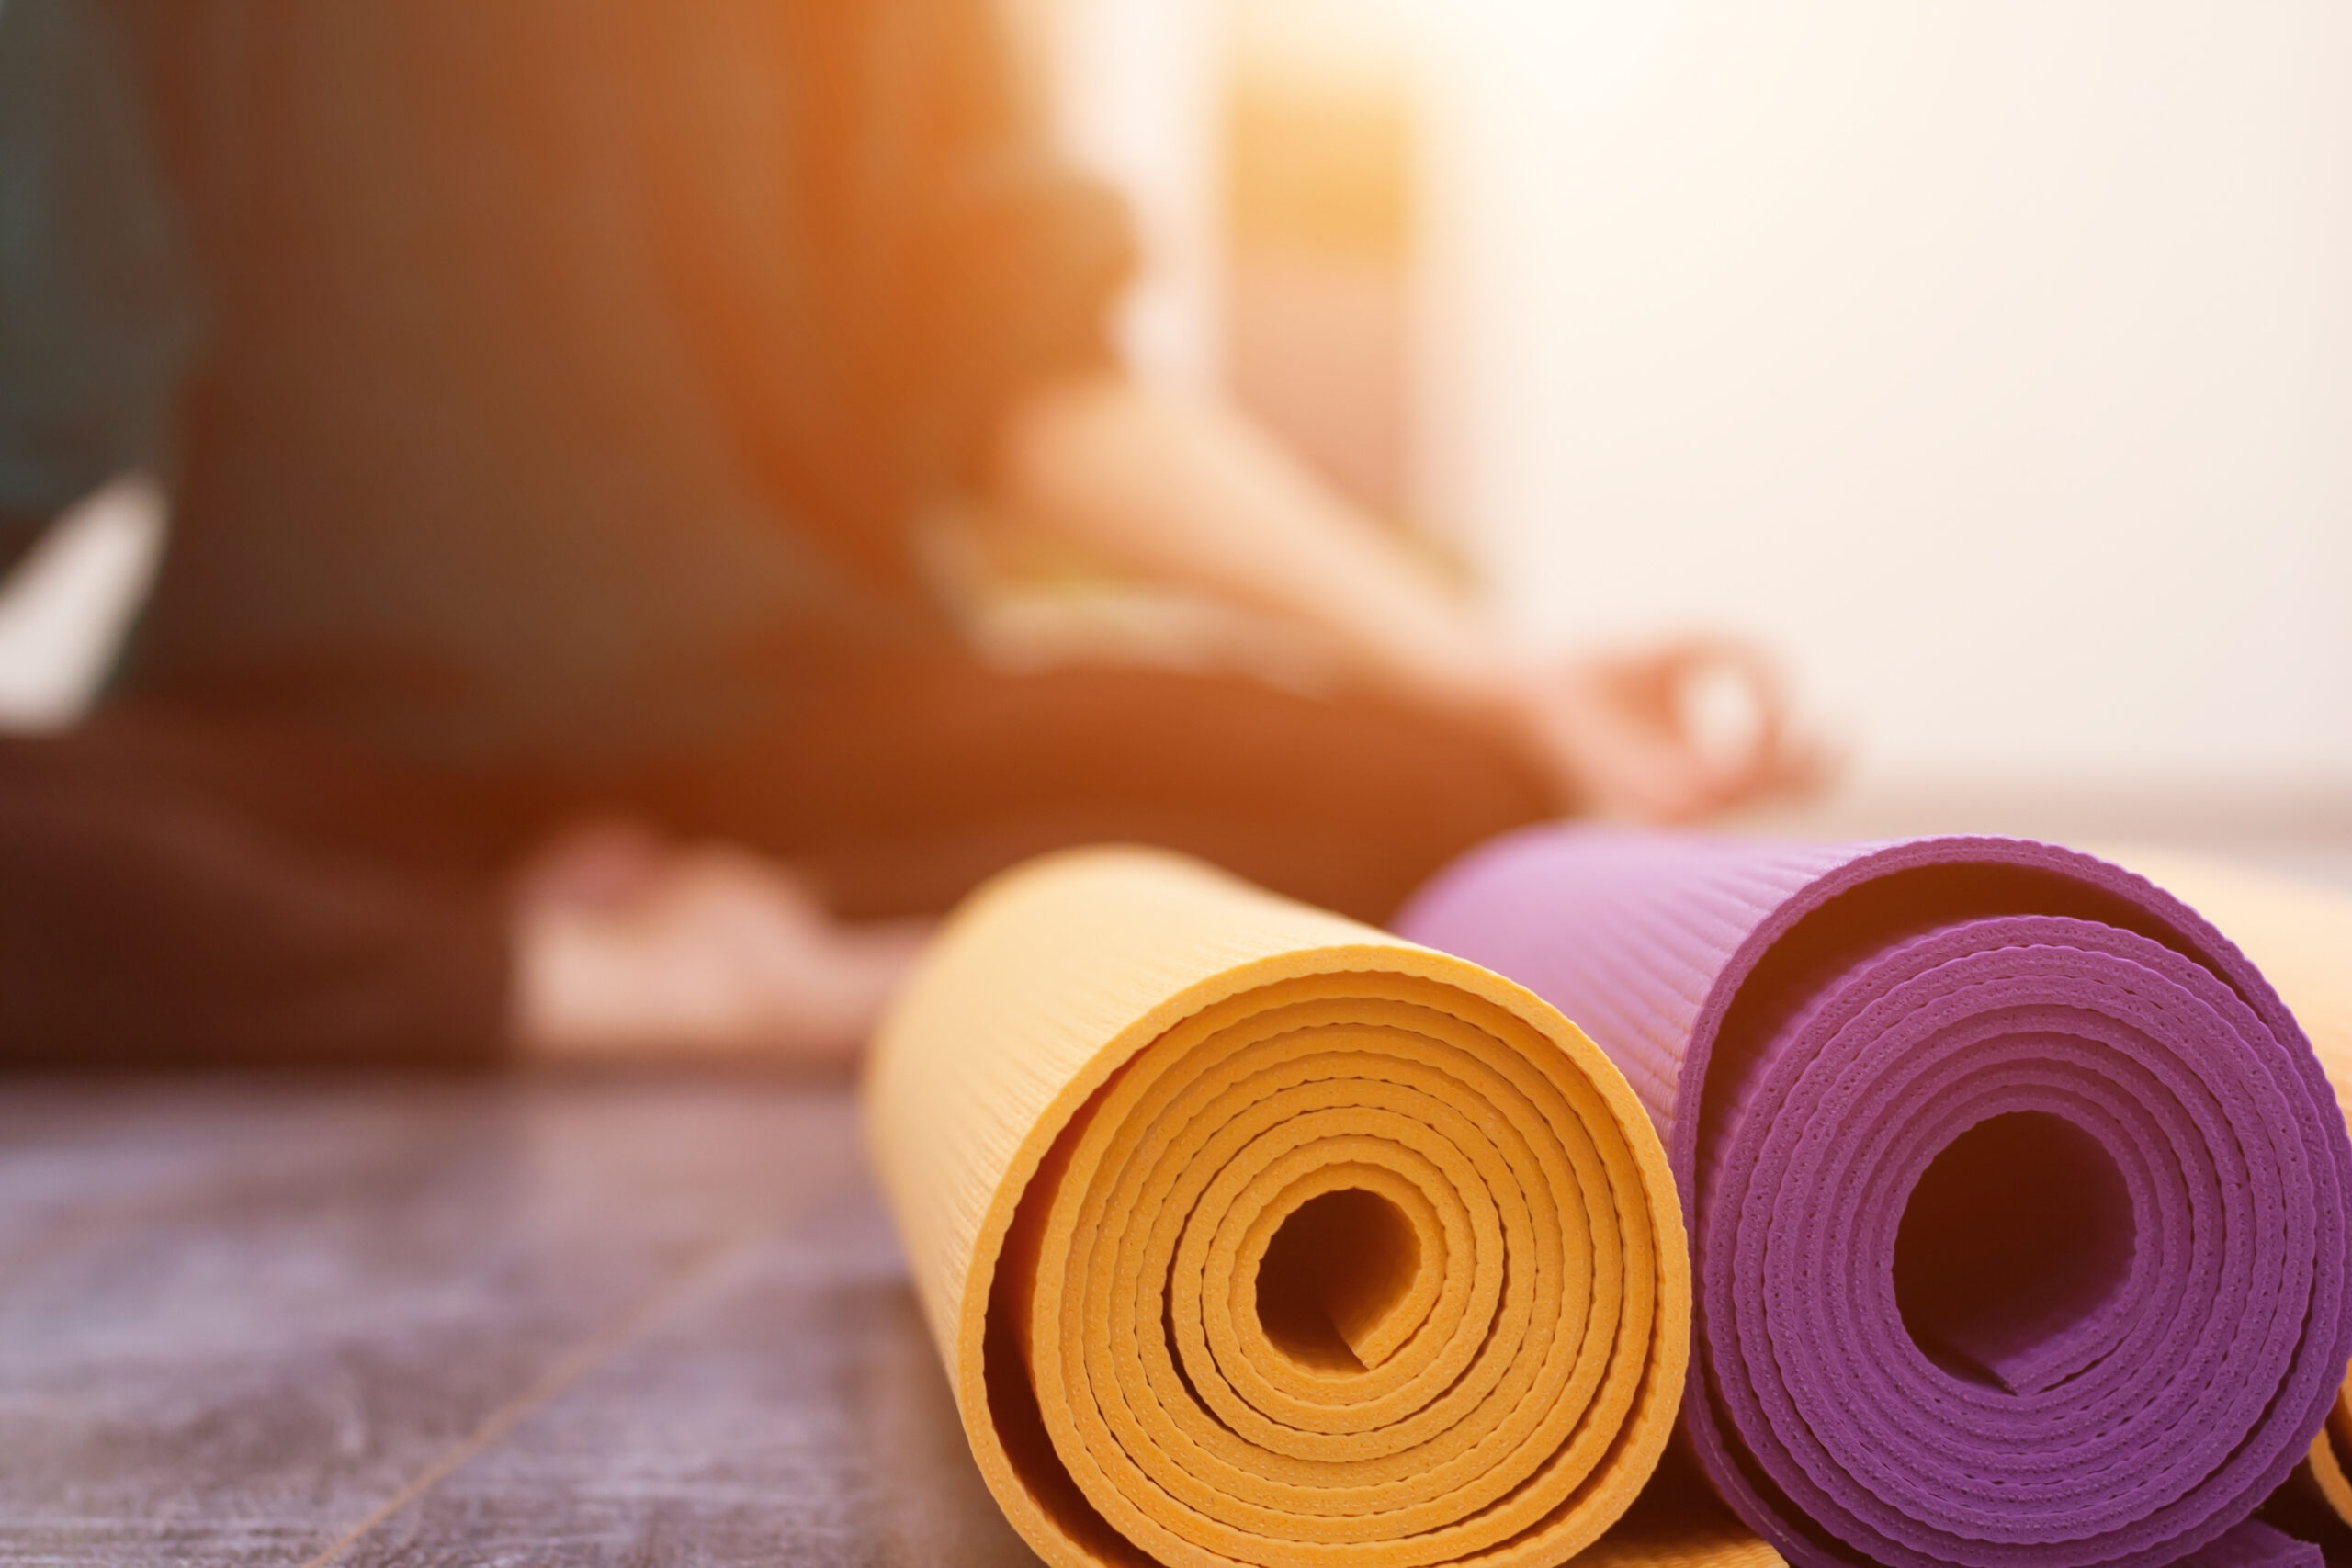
(610, 1321)
(617, 1320)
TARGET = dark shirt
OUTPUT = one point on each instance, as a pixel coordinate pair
(537, 379)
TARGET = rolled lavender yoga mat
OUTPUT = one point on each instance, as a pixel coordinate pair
(2016, 1198)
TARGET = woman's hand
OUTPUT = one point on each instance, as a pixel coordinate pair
(1626, 736)
(629, 949)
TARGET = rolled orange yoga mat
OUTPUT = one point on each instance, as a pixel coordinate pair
(1249, 1235)
(2017, 1199)
(2301, 937)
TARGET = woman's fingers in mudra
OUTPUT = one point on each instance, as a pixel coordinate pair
(1672, 733)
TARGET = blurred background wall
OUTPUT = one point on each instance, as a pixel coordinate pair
(1992, 362)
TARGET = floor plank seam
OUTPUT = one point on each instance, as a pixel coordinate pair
(568, 1370)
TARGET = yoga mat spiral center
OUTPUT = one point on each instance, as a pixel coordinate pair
(2016, 1243)
(2084, 1140)
(1333, 1286)
(1349, 1269)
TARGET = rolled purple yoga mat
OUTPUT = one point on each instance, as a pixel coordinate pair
(2016, 1198)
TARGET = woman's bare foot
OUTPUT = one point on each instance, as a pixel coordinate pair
(630, 948)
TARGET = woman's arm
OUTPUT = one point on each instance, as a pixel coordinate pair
(1185, 492)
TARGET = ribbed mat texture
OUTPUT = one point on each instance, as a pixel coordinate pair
(2017, 1200)
(1250, 1234)
(2301, 937)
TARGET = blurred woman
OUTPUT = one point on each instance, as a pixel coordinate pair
(551, 395)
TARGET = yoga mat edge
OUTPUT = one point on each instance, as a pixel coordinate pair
(1665, 946)
(1010, 1044)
